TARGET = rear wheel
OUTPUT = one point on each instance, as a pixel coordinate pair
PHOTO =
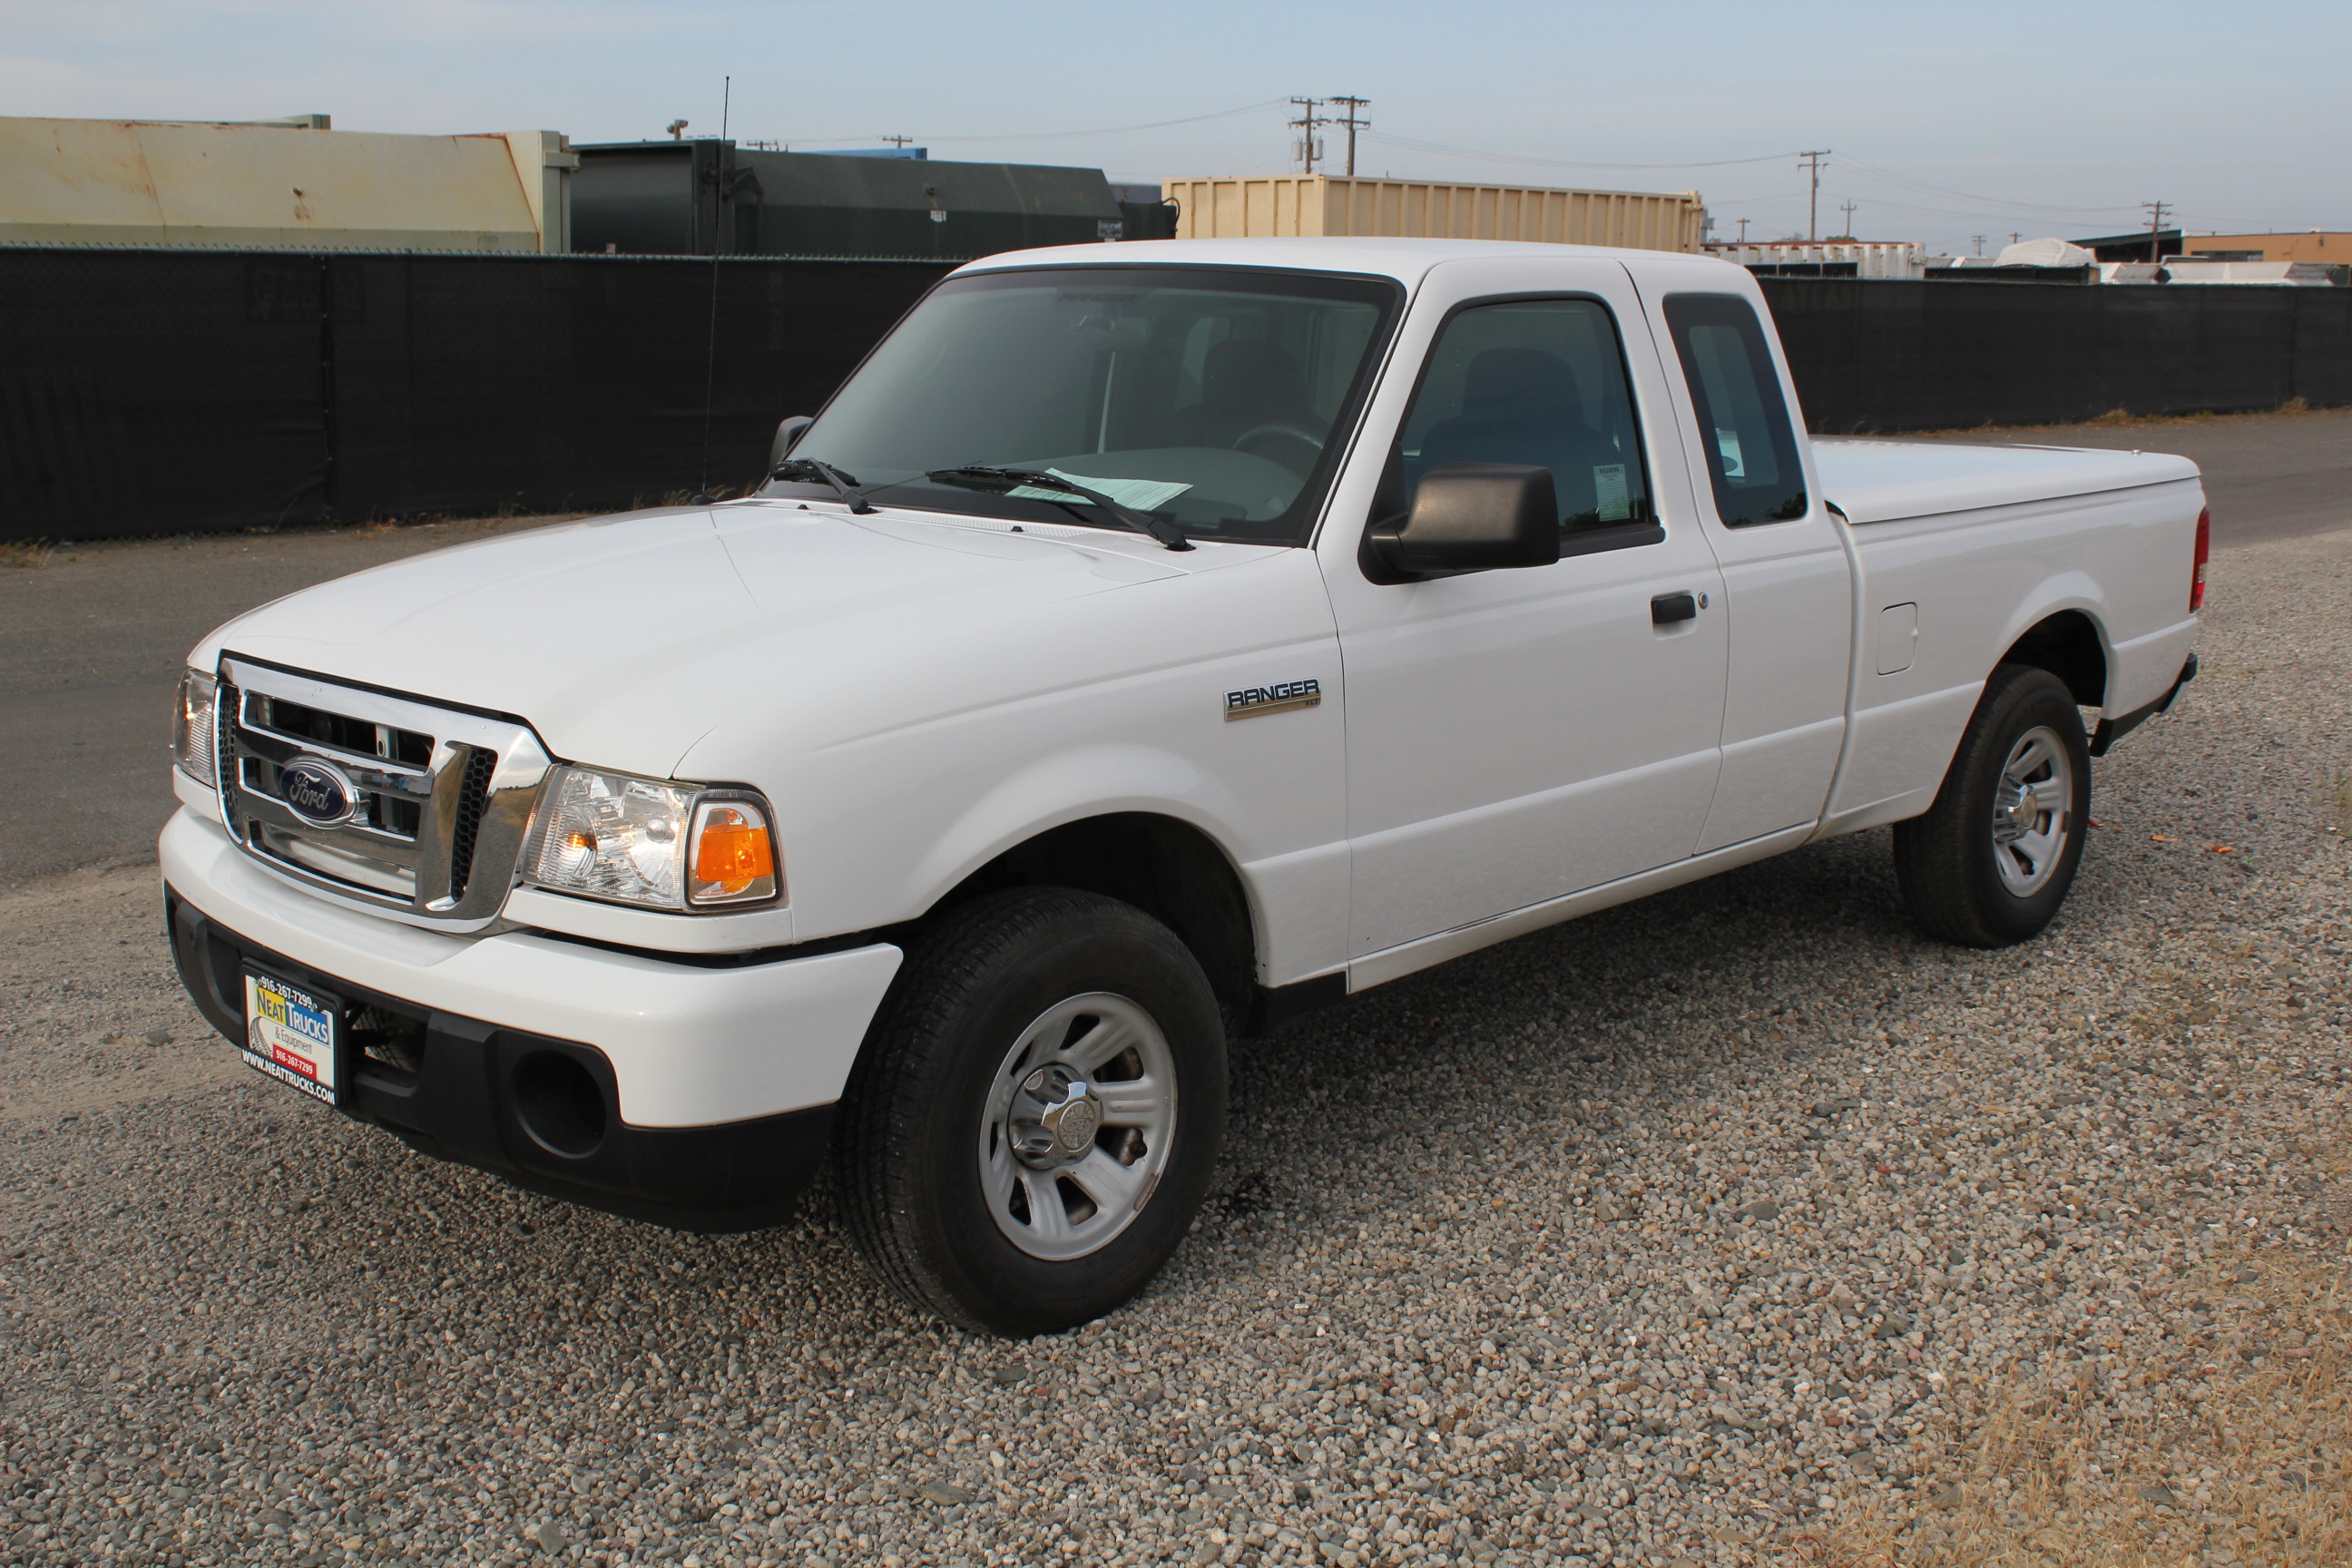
(1037, 1111)
(1991, 862)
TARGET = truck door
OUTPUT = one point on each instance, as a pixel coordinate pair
(1517, 735)
(1785, 572)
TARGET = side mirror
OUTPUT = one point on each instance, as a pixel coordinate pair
(786, 434)
(1471, 517)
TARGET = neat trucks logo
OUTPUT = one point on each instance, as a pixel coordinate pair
(1253, 701)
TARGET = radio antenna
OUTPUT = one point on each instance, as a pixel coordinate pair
(718, 223)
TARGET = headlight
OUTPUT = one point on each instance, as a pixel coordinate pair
(643, 841)
(192, 726)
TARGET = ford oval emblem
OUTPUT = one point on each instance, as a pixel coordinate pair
(319, 792)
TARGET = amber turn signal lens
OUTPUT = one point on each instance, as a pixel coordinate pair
(734, 861)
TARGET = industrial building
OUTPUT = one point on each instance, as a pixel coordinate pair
(705, 196)
(2330, 248)
(289, 184)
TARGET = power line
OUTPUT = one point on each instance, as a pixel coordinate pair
(1813, 199)
(1309, 146)
(1413, 145)
(1061, 135)
(1932, 189)
(1354, 123)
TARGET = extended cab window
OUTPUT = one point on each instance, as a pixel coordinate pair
(1540, 382)
(1743, 420)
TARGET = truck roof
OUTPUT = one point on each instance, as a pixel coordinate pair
(1403, 260)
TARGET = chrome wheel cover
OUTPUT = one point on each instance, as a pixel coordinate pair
(1081, 1121)
(2032, 811)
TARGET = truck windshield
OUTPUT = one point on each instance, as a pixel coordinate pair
(1219, 398)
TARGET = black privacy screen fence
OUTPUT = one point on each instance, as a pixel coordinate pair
(163, 391)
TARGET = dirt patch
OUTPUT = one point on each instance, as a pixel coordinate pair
(2224, 1435)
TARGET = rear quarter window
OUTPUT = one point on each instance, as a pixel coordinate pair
(1743, 420)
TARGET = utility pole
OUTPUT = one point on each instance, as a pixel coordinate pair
(894, 140)
(2015, 235)
(1743, 230)
(1847, 208)
(1354, 123)
(2156, 211)
(1980, 240)
(1814, 203)
(1307, 149)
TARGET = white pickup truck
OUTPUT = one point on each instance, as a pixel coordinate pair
(1144, 645)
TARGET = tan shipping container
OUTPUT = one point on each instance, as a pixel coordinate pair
(1314, 204)
(280, 187)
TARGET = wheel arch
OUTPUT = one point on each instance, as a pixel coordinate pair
(1164, 866)
(2070, 645)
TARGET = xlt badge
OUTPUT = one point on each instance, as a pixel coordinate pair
(1251, 701)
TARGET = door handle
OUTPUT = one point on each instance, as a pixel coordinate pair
(1666, 609)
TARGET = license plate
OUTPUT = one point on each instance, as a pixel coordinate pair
(292, 1034)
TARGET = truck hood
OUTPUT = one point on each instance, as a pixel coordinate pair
(625, 639)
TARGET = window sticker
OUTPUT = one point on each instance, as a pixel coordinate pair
(1727, 443)
(1608, 492)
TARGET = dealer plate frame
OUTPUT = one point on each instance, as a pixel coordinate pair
(283, 1043)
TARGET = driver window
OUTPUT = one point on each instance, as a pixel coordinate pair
(1540, 382)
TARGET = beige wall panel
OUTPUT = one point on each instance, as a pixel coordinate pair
(116, 183)
(1331, 204)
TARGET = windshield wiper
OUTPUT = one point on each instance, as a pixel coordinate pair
(842, 484)
(1159, 528)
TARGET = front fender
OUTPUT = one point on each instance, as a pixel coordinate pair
(1070, 785)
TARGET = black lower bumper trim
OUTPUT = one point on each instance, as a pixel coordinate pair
(540, 1112)
(2110, 730)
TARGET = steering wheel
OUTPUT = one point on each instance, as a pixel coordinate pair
(1313, 442)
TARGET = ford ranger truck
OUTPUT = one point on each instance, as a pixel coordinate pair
(1145, 644)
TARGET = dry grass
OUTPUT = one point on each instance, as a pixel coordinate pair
(2335, 797)
(2231, 1433)
(26, 555)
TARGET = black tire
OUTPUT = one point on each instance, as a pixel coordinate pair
(908, 1139)
(1948, 860)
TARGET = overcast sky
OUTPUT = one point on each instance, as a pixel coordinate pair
(1943, 123)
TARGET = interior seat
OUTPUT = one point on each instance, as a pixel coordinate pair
(1523, 406)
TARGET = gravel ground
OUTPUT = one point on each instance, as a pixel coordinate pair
(1712, 1228)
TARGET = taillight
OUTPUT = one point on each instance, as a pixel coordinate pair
(2204, 549)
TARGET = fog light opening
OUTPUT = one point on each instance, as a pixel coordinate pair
(559, 1104)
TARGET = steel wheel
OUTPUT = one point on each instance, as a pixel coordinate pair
(1989, 862)
(1036, 1112)
(1081, 1121)
(2032, 811)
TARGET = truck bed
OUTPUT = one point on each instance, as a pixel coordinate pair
(1972, 545)
(1884, 480)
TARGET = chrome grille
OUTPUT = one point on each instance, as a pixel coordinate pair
(439, 798)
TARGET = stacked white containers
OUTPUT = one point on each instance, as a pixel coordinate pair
(1869, 258)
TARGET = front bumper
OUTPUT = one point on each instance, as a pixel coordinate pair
(690, 1093)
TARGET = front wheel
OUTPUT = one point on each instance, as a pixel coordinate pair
(1037, 1111)
(1991, 860)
